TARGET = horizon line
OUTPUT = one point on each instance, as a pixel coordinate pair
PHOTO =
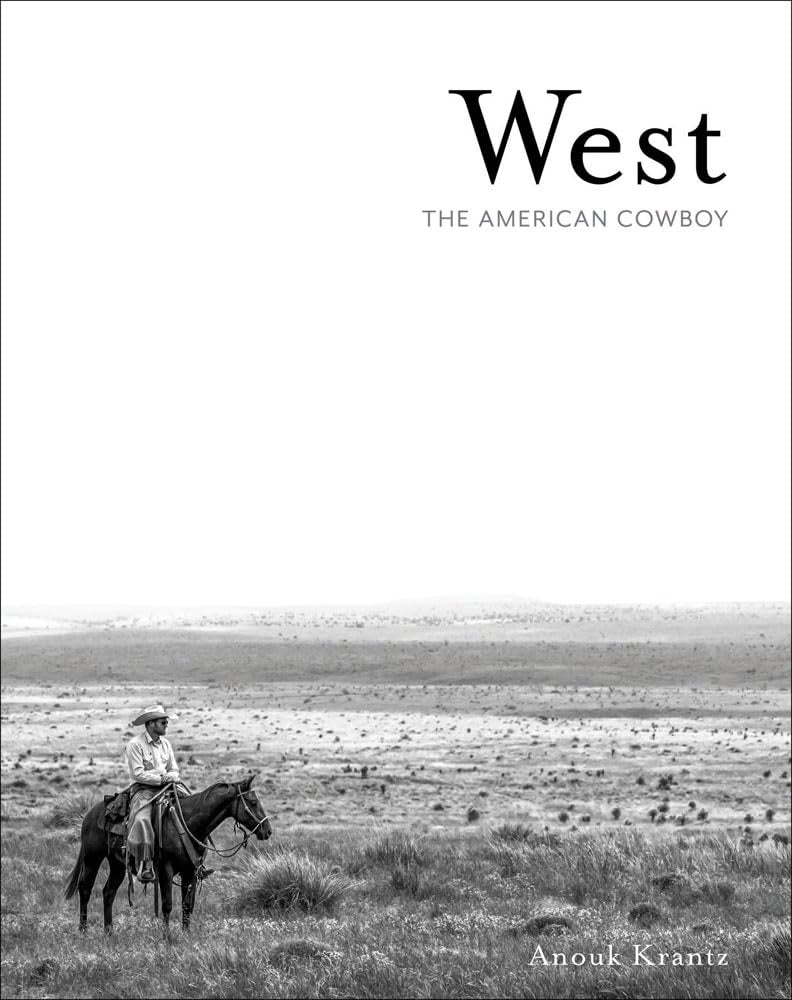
(436, 599)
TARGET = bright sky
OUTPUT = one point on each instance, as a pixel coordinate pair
(238, 369)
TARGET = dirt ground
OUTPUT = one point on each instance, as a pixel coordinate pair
(551, 716)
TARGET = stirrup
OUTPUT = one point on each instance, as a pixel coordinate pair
(147, 875)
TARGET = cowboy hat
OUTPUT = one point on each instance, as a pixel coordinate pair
(152, 712)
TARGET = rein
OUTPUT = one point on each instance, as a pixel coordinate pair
(228, 852)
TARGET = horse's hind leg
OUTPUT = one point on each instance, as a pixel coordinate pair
(188, 899)
(114, 880)
(87, 879)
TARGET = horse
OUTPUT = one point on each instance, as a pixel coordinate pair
(201, 812)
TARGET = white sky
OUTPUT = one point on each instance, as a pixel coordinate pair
(238, 369)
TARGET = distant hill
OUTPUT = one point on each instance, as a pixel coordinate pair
(745, 646)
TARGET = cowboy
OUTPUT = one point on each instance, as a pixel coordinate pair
(152, 765)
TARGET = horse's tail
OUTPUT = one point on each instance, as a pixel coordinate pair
(74, 877)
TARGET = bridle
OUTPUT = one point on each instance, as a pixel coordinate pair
(247, 834)
(228, 852)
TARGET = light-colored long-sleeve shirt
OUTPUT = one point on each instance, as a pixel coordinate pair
(148, 761)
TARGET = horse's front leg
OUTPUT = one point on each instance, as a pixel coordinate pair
(166, 892)
(188, 897)
(114, 880)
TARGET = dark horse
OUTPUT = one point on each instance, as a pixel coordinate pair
(202, 813)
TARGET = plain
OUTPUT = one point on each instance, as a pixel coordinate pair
(455, 795)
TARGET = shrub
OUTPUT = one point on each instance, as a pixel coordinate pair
(299, 949)
(70, 809)
(46, 969)
(548, 923)
(287, 879)
(717, 891)
(667, 880)
(396, 847)
(645, 914)
(511, 832)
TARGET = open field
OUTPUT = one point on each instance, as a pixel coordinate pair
(741, 646)
(641, 743)
(439, 915)
(513, 753)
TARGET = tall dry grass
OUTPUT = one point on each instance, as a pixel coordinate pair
(286, 879)
(324, 916)
(69, 809)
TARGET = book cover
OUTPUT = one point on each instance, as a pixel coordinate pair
(396, 398)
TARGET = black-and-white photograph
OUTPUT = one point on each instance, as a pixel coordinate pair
(395, 500)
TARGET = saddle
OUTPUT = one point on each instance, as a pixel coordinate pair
(113, 822)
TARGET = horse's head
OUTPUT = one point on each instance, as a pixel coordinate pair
(248, 812)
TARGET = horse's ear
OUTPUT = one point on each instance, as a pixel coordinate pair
(249, 781)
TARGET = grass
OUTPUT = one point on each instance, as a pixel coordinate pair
(293, 921)
(418, 849)
(394, 847)
(509, 832)
(287, 879)
(68, 810)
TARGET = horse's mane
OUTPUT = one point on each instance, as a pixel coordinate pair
(198, 798)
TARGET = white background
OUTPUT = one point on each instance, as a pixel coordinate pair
(237, 368)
